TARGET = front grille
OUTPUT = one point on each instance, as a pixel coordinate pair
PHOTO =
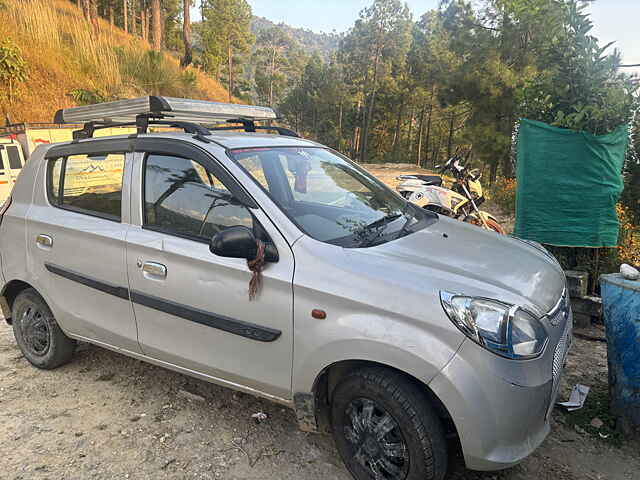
(406, 193)
(561, 350)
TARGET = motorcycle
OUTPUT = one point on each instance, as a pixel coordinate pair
(461, 201)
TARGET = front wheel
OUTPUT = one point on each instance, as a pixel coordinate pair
(385, 429)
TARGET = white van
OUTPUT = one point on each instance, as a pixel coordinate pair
(11, 162)
(18, 141)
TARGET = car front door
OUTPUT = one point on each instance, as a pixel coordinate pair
(76, 232)
(192, 307)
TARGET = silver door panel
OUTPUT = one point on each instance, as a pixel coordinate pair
(86, 253)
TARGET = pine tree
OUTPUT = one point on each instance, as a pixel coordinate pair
(226, 33)
(156, 23)
(187, 58)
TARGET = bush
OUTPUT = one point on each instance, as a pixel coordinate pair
(629, 241)
(503, 194)
(83, 96)
(13, 69)
(606, 260)
(584, 90)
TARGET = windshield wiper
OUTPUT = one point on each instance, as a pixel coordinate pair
(377, 226)
(381, 222)
(404, 230)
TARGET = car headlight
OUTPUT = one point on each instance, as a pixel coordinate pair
(503, 329)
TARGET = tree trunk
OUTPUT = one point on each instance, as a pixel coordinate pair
(450, 140)
(147, 23)
(186, 34)
(365, 132)
(143, 24)
(163, 39)
(507, 165)
(420, 132)
(409, 145)
(362, 112)
(125, 18)
(134, 19)
(93, 15)
(397, 137)
(273, 68)
(86, 9)
(230, 67)
(494, 171)
(157, 25)
(436, 153)
(340, 126)
(111, 15)
(428, 135)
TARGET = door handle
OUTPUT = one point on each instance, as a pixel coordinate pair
(155, 269)
(44, 240)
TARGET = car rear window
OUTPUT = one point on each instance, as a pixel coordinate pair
(90, 184)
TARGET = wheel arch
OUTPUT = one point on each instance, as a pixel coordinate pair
(8, 295)
(313, 409)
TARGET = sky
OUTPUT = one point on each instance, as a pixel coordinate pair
(615, 20)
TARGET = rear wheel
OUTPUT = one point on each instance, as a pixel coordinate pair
(385, 429)
(37, 333)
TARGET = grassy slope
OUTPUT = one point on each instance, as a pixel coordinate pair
(62, 55)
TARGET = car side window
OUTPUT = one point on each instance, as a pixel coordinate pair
(53, 186)
(90, 184)
(183, 198)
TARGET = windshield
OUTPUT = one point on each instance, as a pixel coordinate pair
(330, 198)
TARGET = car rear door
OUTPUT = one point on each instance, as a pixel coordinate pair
(76, 233)
(192, 307)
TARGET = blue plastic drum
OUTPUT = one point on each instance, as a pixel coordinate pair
(621, 307)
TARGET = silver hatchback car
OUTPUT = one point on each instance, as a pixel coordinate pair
(274, 265)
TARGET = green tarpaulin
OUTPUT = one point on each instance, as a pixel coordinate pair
(568, 185)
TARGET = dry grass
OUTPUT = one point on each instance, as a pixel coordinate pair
(63, 54)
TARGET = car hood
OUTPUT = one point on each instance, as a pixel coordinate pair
(465, 259)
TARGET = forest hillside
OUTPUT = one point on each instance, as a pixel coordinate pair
(68, 61)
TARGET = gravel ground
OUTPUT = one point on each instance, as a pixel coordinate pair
(107, 416)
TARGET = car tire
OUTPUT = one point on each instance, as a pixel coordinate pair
(37, 333)
(385, 429)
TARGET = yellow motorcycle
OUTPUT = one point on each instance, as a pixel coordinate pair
(461, 201)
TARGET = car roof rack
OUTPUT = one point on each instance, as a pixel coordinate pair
(184, 113)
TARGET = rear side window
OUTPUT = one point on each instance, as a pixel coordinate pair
(14, 157)
(181, 197)
(55, 167)
(90, 184)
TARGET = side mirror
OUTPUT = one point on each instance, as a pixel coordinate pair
(240, 242)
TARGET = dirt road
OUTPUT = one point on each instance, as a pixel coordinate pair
(106, 416)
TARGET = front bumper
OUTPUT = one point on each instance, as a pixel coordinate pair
(501, 419)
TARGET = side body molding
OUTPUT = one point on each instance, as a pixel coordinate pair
(230, 325)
